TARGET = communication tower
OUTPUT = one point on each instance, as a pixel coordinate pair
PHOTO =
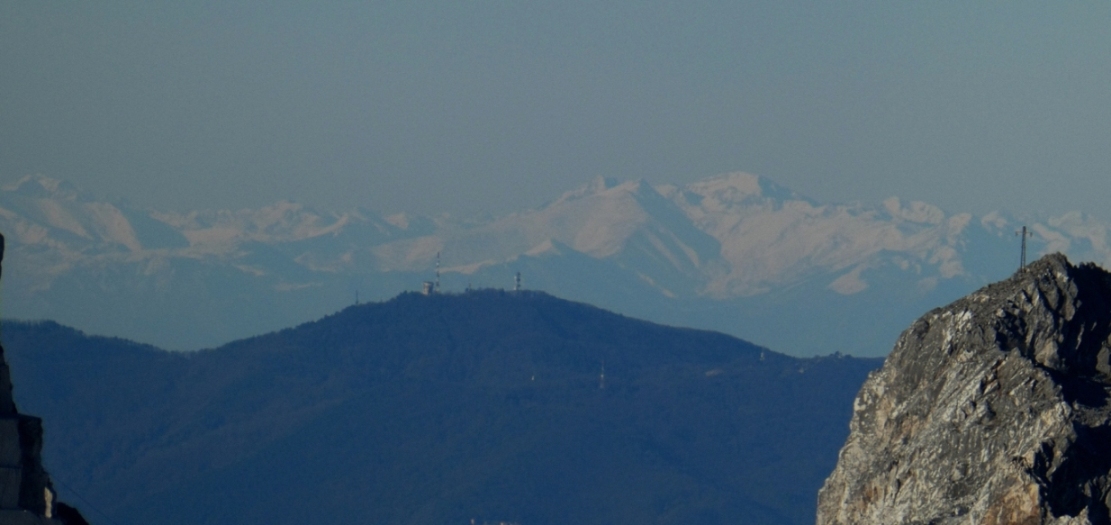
(1024, 234)
(517, 283)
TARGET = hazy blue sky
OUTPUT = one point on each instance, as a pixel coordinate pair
(474, 107)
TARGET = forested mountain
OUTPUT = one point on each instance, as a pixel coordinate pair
(486, 405)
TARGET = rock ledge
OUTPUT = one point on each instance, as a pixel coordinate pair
(993, 410)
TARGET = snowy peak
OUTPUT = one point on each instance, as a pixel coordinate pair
(604, 187)
(43, 187)
(737, 189)
(914, 211)
(734, 237)
(736, 234)
(548, 248)
(771, 236)
(41, 210)
(283, 221)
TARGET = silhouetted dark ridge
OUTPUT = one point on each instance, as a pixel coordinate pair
(993, 410)
(27, 496)
(464, 334)
(488, 405)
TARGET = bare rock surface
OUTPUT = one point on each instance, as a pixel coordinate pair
(993, 410)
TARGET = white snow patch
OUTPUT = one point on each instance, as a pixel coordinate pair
(915, 211)
(58, 217)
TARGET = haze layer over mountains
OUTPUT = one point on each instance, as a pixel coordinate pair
(735, 253)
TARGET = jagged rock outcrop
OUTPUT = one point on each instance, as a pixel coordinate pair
(993, 410)
(26, 493)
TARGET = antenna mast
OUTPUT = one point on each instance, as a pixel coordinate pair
(517, 283)
(436, 287)
(1024, 234)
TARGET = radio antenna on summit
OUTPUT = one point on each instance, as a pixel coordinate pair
(517, 283)
(436, 287)
(1024, 234)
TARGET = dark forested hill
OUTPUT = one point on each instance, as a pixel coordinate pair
(489, 405)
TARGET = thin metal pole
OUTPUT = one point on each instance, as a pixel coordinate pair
(1022, 259)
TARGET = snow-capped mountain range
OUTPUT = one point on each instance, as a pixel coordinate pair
(736, 253)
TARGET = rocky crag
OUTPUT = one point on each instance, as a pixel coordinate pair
(26, 492)
(993, 410)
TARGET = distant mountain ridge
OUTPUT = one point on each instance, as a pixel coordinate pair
(731, 253)
(488, 405)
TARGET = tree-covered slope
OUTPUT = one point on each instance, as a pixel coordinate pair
(487, 405)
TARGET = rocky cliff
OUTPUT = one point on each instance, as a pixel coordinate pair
(26, 493)
(992, 410)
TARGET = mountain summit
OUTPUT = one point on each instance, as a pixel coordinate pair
(492, 406)
(993, 410)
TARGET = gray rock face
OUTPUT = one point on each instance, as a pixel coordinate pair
(993, 410)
